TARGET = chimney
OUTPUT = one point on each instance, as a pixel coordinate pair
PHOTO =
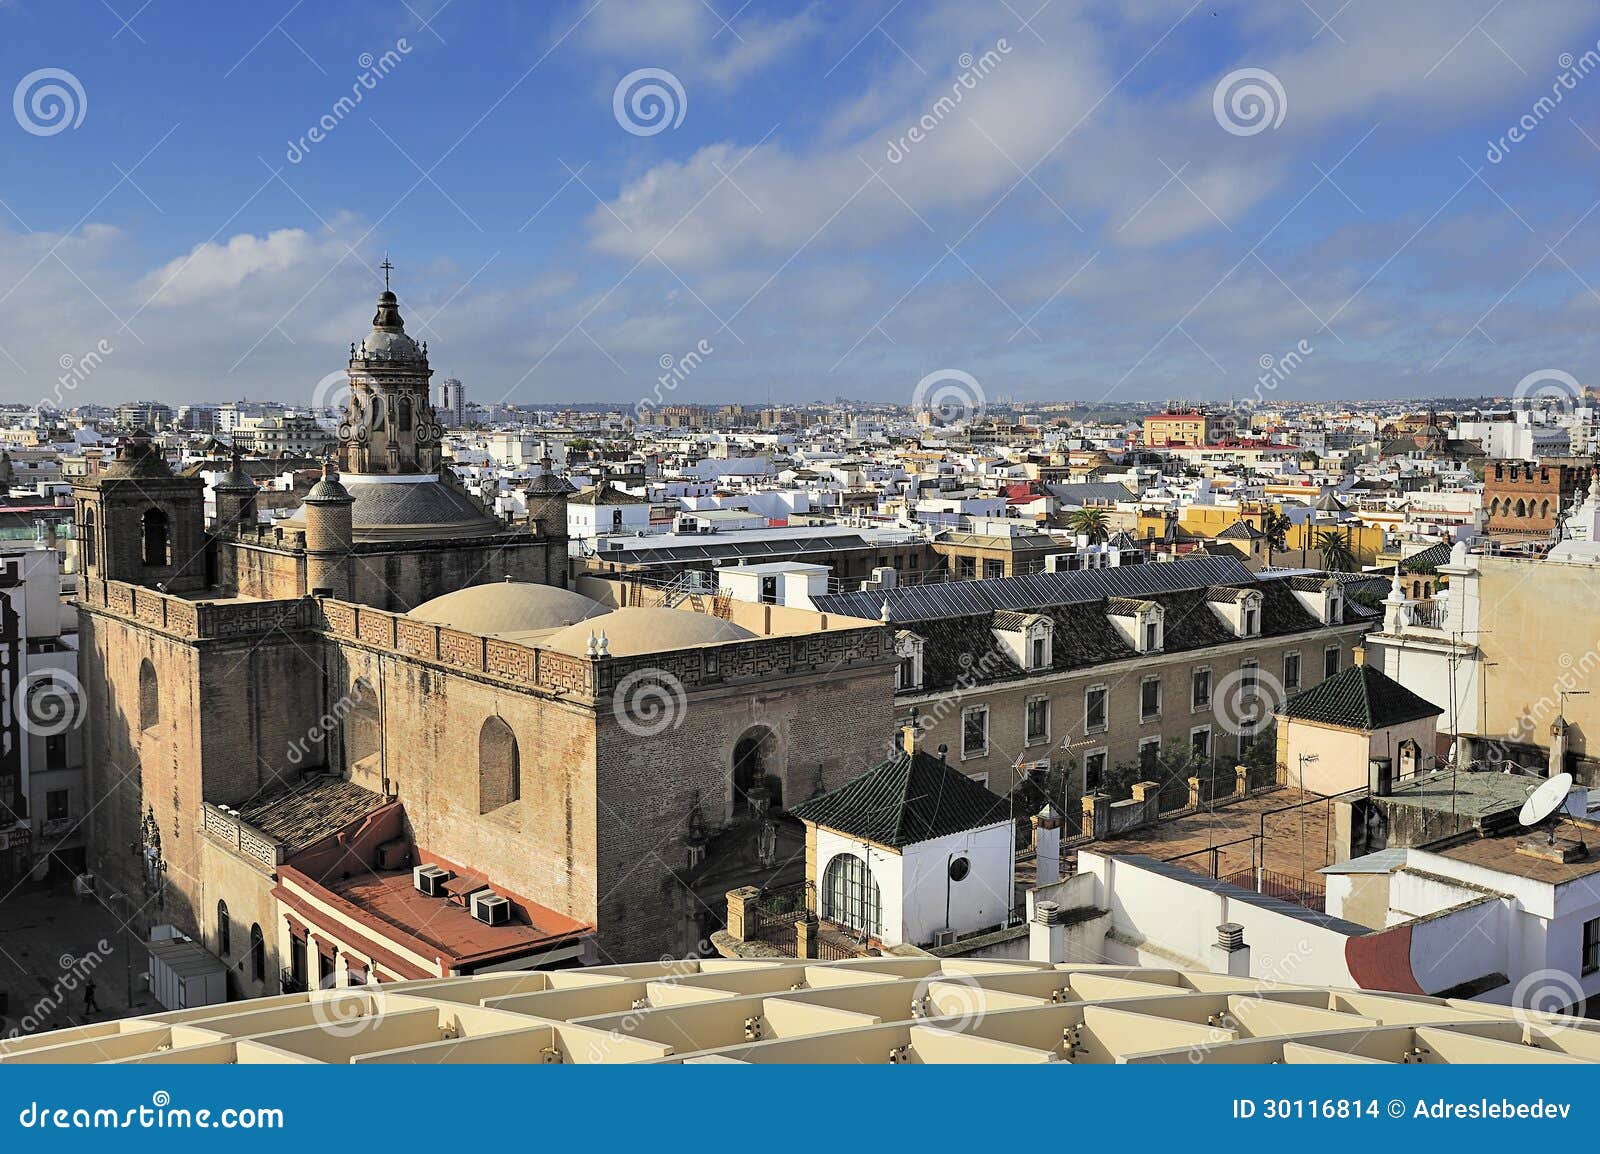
(909, 732)
(1047, 934)
(1230, 955)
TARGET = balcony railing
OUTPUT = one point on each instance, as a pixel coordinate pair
(1427, 614)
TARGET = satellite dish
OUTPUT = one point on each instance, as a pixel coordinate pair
(1545, 800)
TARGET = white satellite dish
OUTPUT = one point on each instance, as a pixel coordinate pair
(1546, 800)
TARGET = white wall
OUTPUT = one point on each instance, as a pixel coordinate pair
(978, 901)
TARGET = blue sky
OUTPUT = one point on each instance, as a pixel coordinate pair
(1083, 223)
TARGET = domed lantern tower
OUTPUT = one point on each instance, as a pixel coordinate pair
(389, 427)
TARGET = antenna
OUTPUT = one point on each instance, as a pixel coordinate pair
(1546, 801)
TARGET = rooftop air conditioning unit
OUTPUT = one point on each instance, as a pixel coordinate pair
(944, 938)
(430, 879)
(490, 908)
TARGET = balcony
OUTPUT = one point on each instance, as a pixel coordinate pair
(1428, 614)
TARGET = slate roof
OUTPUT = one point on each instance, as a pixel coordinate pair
(962, 649)
(906, 800)
(1359, 697)
(1076, 494)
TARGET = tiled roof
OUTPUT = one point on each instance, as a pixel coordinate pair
(1127, 606)
(1084, 635)
(1240, 531)
(1227, 594)
(907, 799)
(1359, 697)
(309, 811)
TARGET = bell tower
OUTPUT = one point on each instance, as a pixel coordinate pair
(139, 522)
(389, 428)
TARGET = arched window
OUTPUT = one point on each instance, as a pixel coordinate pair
(1522, 507)
(157, 542)
(258, 954)
(850, 895)
(86, 548)
(362, 729)
(499, 766)
(405, 414)
(149, 696)
(224, 934)
(1544, 508)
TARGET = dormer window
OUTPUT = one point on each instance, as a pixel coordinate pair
(908, 673)
(1142, 624)
(1237, 608)
(1027, 637)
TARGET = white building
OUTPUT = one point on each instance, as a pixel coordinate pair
(914, 851)
(42, 790)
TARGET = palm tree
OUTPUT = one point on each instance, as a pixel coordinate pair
(1090, 523)
(1275, 528)
(1337, 555)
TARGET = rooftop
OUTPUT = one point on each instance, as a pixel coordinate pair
(1501, 853)
(908, 799)
(875, 1010)
(1359, 697)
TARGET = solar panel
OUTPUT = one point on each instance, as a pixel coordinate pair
(1037, 590)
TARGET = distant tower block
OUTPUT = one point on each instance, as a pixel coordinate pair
(453, 401)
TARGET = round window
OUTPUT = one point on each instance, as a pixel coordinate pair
(959, 868)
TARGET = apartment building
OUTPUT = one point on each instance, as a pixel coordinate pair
(1094, 670)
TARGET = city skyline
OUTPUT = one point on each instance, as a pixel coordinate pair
(1119, 204)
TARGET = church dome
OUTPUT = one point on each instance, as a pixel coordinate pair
(508, 607)
(641, 629)
(388, 340)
